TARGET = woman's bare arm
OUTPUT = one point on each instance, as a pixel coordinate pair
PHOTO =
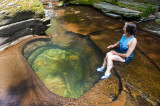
(129, 51)
(114, 45)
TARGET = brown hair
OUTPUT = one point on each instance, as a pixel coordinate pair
(131, 28)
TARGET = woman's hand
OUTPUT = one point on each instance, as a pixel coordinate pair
(110, 46)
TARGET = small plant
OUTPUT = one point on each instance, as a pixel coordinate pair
(149, 10)
(114, 2)
(157, 21)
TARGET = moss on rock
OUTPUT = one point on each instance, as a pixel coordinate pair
(18, 10)
(85, 2)
(146, 9)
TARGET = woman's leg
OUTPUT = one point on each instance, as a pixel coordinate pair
(110, 60)
(106, 58)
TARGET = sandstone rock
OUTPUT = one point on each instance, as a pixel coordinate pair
(105, 91)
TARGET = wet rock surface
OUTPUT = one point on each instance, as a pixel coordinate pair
(69, 19)
(104, 92)
(135, 83)
(140, 64)
(27, 89)
(137, 73)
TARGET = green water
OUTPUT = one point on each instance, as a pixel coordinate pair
(66, 69)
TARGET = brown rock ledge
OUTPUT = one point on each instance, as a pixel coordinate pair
(21, 86)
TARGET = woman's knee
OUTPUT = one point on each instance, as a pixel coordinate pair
(108, 54)
(110, 57)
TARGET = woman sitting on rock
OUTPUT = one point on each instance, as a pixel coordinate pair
(124, 53)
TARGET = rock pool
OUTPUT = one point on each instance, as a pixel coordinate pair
(66, 69)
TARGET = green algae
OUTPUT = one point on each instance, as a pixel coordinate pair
(157, 21)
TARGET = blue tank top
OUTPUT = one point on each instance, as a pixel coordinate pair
(123, 45)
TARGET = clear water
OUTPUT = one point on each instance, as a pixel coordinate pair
(65, 64)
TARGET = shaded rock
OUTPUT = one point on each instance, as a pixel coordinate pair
(113, 15)
(149, 18)
(145, 1)
(157, 14)
(109, 8)
(151, 27)
(11, 32)
(20, 18)
(20, 10)
(151, 31)
(137, 5)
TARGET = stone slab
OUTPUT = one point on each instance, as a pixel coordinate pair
(109, 8)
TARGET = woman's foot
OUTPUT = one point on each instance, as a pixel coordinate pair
(100, 69)
(105, 77)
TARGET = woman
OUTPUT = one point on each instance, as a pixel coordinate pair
(124, 53)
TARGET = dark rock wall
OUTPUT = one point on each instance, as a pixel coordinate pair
(16, 30)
